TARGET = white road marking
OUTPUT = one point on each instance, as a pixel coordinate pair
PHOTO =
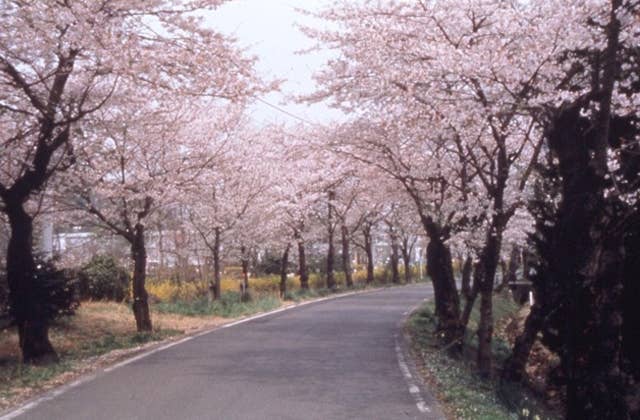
(414, 389)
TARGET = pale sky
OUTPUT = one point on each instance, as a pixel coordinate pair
(267, 28)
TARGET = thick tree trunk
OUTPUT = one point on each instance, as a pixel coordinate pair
(140, 296)
(368, 245)
(214, 286)
(467, 268)
(302, 263)
(488, 263)
(26, 309)
(346, 257)
(284, 264)
(447, 300)
(586, 263)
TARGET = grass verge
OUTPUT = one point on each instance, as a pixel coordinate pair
(463, 393)
(98, 335)
(230, 305)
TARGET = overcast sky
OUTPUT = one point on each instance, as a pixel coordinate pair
(267, 28)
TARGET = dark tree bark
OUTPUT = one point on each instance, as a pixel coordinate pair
(504, 268)
(467, 268)
(214, 288)
(488, 264)
(368, 248)
(244, 261)
(53, 137)
(331, 280)
(302, 265)
(140, 296)
(586, 260)
(473, 295)
(26, 310)
(583, 262)
(284, 264)
(513, 369)
(440, 270)
(407, 250)
(395, 255)
(346, 256)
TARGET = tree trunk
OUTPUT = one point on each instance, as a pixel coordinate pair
(214, 287)
(284, 263)
(585, 261)
(488, 264)
(467, 268)
(395, 259)
(331, 280)
(473, 295)
(26, 310)
(504, 269)
(406, 259)
(447, 300)
(303, 269)
(140, 296)
(368, 245)
(513, 369)
(245, 274)
(346, 257)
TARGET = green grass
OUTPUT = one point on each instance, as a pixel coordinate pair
(18, 375)
(228, 306)
(461, 390)
(109, 342)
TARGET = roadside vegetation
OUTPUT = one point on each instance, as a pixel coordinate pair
(455, 378)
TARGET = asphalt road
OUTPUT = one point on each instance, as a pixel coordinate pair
(337, 359)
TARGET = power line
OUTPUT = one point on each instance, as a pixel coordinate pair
(284, 111)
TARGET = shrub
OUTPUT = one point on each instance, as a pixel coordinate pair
(56, 290)
(103, 279)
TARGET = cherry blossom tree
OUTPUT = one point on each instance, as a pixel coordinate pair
(439, 70)
(478, 79)
(229, 201)
(60, 62)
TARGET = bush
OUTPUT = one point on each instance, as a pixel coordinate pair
(103, 279)
(56, 290)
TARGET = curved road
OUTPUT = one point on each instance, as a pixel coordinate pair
(343, 358)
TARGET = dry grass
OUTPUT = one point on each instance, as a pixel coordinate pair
(100, 334)
(94, 321)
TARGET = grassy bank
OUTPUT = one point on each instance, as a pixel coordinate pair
(462, 392)
(229, 305)
(84, 342)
